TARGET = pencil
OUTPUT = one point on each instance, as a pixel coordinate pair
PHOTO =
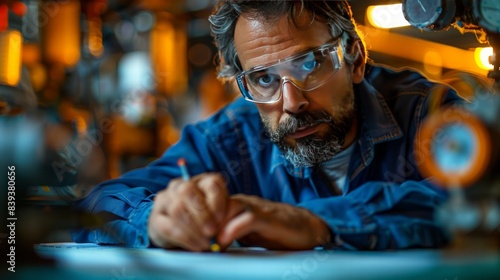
(214, 246)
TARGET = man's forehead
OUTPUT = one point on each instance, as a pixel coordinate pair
(258, 42)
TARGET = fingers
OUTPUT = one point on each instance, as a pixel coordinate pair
(234, 208)
(240, 220)
(216, 196)
(188, 213)
(193, 210)
(274, 225)
(241, 225)
(207, 205)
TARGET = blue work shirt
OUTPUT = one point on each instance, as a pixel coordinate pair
(385, 204)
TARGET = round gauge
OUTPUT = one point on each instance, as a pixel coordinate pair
(453, 147)
(487, 13)
(429, 14)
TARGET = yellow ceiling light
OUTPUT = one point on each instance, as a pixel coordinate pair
(386, 16)
(416, 49)
(481, 56)
(10, 57)
(62, 34)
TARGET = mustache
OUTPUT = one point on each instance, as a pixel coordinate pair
(305, 119)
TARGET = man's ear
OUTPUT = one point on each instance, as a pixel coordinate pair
(358, 67)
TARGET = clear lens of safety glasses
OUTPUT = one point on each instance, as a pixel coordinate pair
(307, 71)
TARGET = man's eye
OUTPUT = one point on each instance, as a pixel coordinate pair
(265, 80)
(309, 65)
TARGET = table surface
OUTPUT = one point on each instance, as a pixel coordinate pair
(89, 261)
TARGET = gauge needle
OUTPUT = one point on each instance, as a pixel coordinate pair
(491, 8)
(422, 6)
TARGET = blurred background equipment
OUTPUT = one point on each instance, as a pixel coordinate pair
(458, 145)
(90, 90)
(75, 65)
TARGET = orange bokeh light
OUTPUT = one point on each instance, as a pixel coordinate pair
(4, 11)
(19, 8)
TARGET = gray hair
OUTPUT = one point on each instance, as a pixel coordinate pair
(336, 14)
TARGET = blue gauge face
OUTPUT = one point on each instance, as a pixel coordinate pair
(454, 148)
(430, 14)
(487, 13)
(422, 13)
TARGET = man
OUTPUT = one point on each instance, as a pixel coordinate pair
(318, 153)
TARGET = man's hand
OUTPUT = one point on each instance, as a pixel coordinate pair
(259, 222)
(188, 214)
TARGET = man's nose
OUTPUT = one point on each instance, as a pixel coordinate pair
(294, 101)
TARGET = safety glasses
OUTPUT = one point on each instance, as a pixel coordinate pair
(307, 71)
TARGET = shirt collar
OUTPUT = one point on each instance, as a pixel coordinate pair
(377, 121)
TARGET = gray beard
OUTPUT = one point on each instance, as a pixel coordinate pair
(314, 149)
(311, 151)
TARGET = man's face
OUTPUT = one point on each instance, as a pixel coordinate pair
(309, 126)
